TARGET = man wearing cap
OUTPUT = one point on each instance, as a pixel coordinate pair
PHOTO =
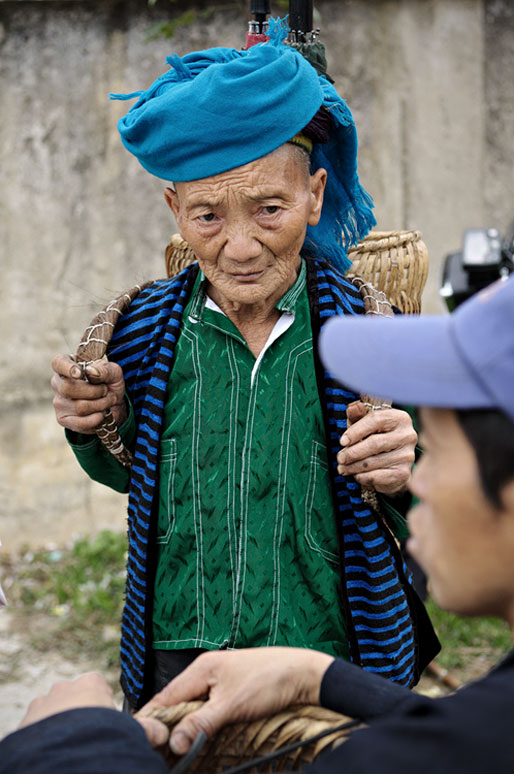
(462, 532)
(460, 369)
(242, 530)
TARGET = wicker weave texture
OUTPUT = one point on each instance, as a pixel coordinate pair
(243, 742)
(177, 255)
(395, 262)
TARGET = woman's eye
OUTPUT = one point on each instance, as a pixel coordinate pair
(207, 218)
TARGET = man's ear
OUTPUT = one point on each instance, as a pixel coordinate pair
(318, 182)
(172, 200)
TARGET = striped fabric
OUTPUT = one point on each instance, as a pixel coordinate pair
(378, 614)
(376, 607)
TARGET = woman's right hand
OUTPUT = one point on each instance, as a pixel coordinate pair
(80, 405)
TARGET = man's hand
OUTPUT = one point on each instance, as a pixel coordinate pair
(80, 405)
(88, 690)
(378, 448)
(240, 685)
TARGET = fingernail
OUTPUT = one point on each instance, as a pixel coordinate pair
(344, 440)
(92, 371)
(179, 743)
(75, 372)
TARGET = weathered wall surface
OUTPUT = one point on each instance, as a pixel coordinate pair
(430, 83)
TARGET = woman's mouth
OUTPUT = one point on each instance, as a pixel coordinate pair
(247, 276)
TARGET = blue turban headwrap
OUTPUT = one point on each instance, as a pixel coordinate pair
(218, 109)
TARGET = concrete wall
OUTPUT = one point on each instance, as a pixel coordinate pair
(430, 83)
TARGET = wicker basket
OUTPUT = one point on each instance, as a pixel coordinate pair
(395, 262)
(245, 742)
(177, 255)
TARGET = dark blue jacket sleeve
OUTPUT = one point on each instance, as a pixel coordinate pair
(350, 690)
(81, 741)
(467, 733)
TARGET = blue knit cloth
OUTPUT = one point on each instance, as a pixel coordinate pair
(218, 109)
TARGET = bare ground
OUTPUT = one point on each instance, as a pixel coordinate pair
(25, 673)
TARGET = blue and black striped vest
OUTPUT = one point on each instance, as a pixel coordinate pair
(376, 597)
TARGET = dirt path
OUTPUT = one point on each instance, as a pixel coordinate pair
(25, 674)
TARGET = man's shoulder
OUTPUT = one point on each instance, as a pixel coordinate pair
(83, 739)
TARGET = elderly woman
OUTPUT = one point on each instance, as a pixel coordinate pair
(246, 522)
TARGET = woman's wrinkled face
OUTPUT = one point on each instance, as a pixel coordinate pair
(464, 543)
(247, 226)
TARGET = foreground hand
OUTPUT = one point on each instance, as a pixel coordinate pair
(378, 448)
(240, 685)
(80, 405)
(89, 690)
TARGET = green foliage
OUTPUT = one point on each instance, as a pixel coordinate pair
(168, 28)
(463, 639)
(188, 17)
(81, 589)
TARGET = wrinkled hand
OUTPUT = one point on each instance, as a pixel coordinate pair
(80, 405)
(240, 685)
(378, 448)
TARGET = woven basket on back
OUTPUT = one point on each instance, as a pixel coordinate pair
(395, 262)
(241, 743)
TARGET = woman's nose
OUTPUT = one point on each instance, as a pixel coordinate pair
(241, 244)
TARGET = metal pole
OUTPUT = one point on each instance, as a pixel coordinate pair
(301, 18)
(260, 10)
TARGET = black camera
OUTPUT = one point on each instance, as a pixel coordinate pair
(484, 258)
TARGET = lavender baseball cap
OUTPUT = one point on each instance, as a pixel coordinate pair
(462, 360)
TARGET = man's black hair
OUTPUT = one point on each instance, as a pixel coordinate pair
(491, 435)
